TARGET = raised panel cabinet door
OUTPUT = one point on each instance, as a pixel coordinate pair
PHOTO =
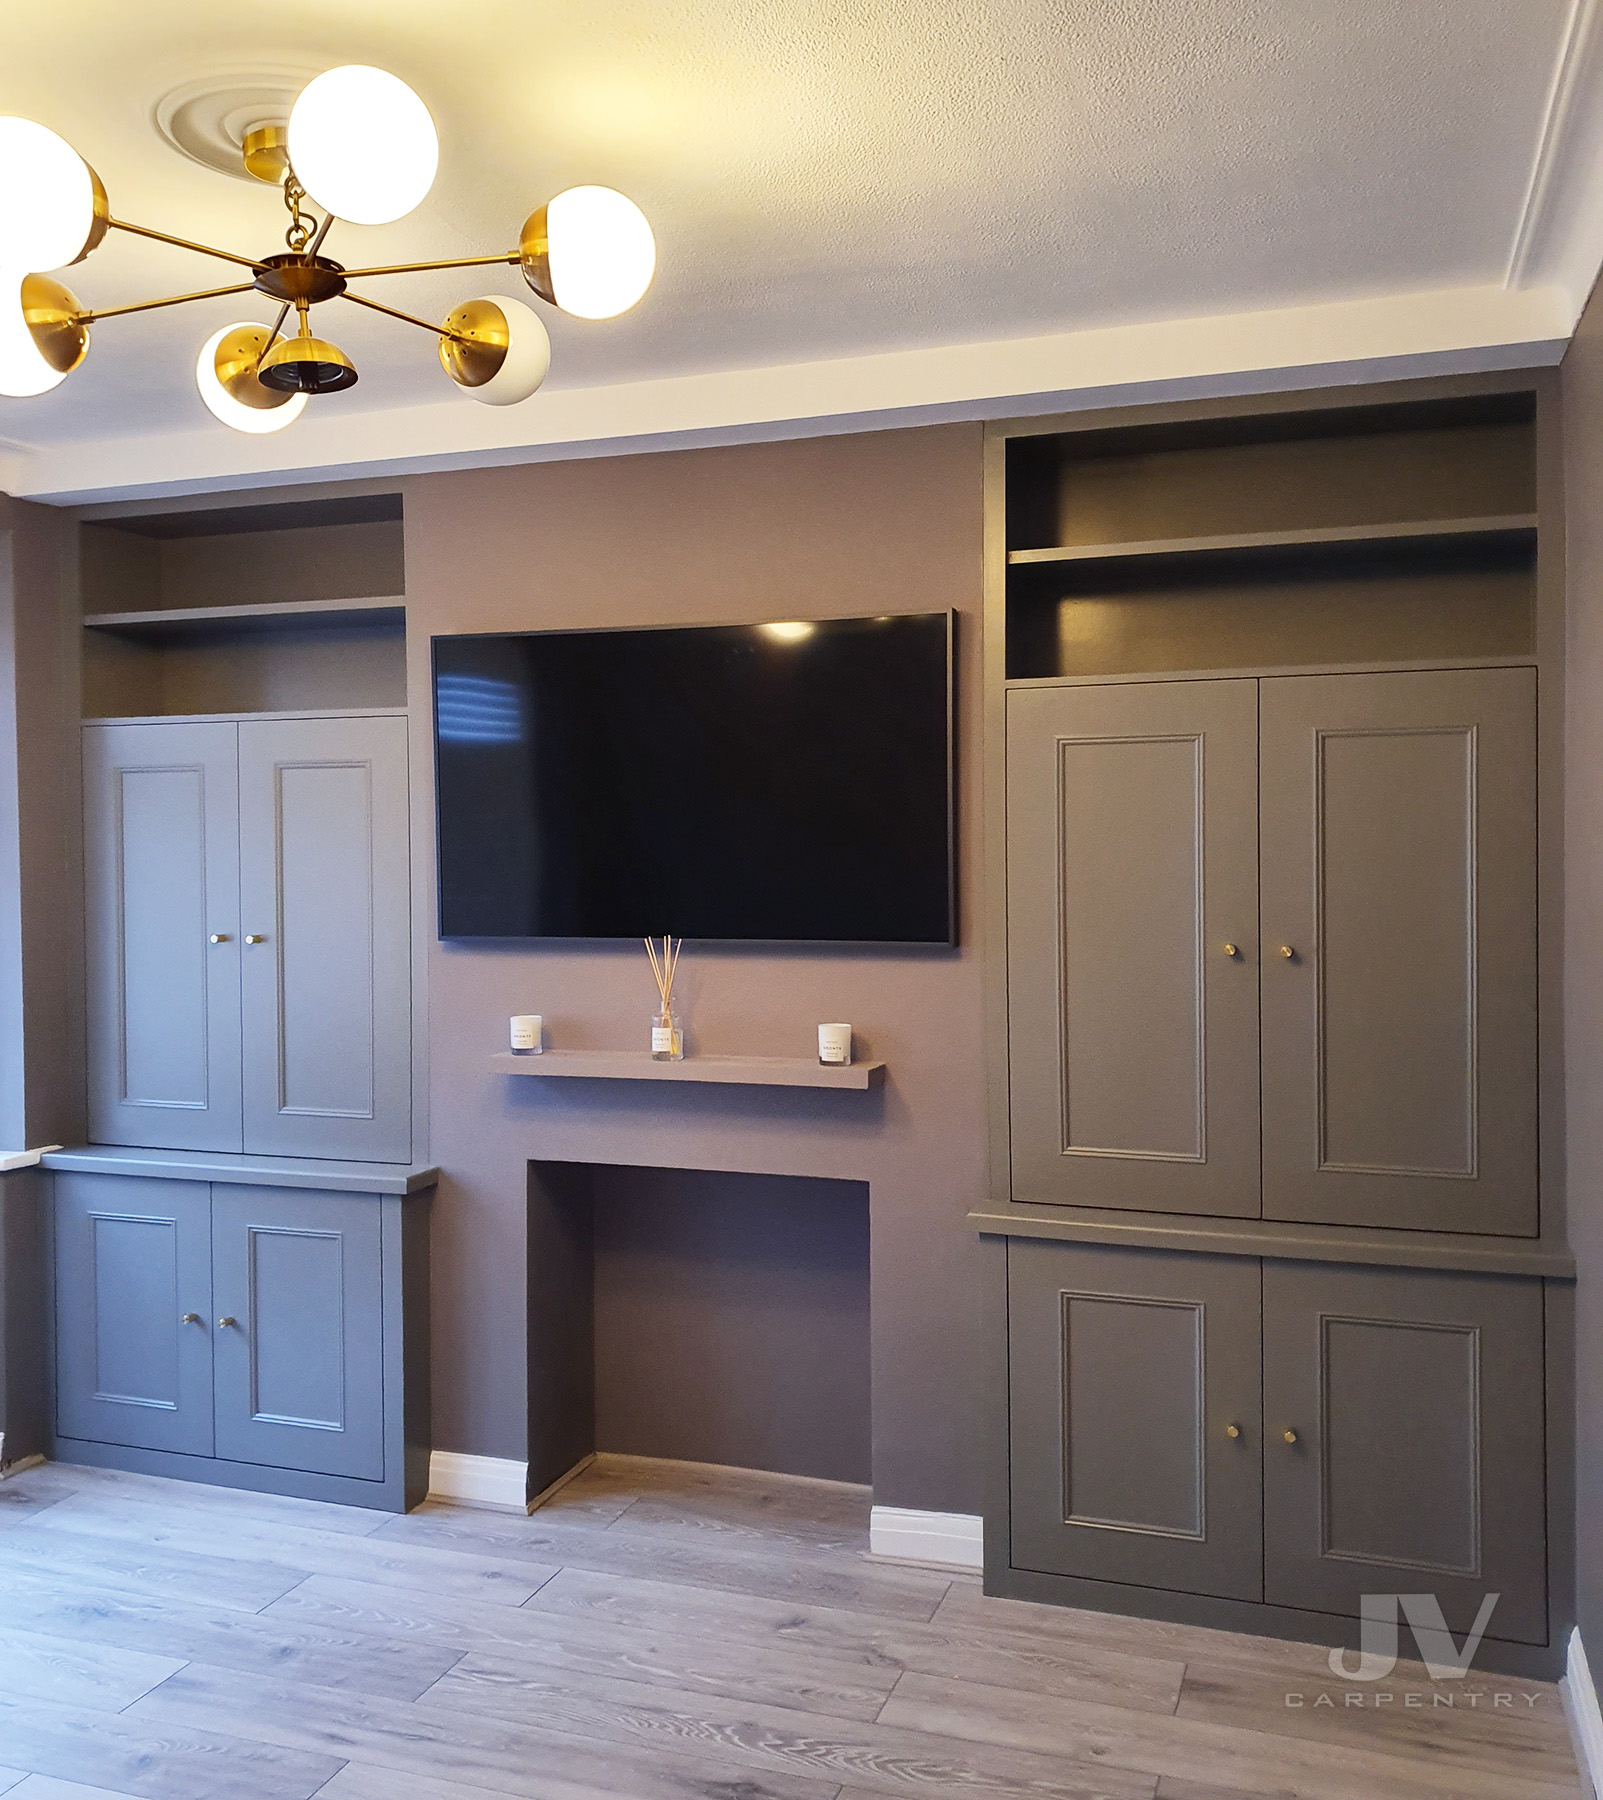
(161, 901)
(133, 1312)
(1414, 1464)
(300, 1332)
(1399, 871)
(1134, 1450)
(326, 961)
(1132, 844)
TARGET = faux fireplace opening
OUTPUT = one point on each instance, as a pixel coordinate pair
(705, 1316)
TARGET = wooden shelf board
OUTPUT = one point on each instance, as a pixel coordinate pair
(231, 718)
(742, 1071)
(1503, 527)
(388, 609)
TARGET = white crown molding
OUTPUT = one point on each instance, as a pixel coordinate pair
(942, 1540)
(1558, 239)
(1441, 331)
(1582, 1711)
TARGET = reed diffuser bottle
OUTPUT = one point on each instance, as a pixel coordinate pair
(667, 1037)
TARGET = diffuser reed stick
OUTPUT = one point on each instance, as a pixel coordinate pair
(667, 1039)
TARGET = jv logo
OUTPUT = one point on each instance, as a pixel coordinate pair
(1380, 1633)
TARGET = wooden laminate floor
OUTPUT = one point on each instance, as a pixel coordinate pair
(659, 1632)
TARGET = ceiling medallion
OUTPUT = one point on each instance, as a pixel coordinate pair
(361, 148)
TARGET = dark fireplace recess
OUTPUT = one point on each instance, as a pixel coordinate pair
(708, 1316)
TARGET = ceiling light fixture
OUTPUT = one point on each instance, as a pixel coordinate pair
(360, 145)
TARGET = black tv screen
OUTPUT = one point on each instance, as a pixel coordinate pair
(789, 781)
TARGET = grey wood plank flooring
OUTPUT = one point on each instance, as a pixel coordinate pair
(297, 1547)
(398, 1667)
(46, 1787)
(1019, 1659)
(1235, 1757)
(660, 1632)
(826, 1580)
(776, 1674)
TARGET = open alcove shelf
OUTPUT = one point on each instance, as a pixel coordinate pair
(743, 1071)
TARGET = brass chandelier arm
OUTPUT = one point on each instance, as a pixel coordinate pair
(421, 268)
(164, 237)
(407, 318)
(278, 326)
(113, 312)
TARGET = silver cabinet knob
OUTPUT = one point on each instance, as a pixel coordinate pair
(219, 937)
(223, 1324)
(254, 937)
(190, 1319)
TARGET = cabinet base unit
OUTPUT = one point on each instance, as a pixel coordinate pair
(1279, 1446)
(259, 1333)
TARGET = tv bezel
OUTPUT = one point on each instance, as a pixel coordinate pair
(818, 945)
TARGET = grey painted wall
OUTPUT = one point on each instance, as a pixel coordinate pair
(1582, 399)
(731, 1320)
(881, 522)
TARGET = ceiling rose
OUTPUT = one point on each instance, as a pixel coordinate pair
(352, 146)
(208, 120)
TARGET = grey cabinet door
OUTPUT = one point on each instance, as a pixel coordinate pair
(298, 1285)
(133, 1312)
(1127, 1371)
(1132, 845)
(1399, 866)
(161, 879)
(325, 881)
(1416, 1398)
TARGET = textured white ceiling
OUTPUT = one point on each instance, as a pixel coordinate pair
(824, 178)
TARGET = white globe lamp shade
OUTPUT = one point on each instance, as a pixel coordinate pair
(50, 197)
(25, 370)
(499, 353)
(363, 145)
(225, 370)
(600, 252)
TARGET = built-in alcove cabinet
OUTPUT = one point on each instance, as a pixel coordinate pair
(1279, 1266)
(241, 1274)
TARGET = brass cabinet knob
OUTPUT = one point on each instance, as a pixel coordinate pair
(190, 1319)
(1232, 1431)
(254, 937)
(223, 1324)
(219, 937)
(1289, 1436)
(1286, 951)
(1232, 950)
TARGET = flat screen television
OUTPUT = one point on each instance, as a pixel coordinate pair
(780, 782)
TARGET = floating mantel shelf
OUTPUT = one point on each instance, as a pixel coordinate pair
(741, 1071)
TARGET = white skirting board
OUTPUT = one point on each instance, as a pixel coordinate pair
(944, 1540)
(1581, 1708)
(494, 1482)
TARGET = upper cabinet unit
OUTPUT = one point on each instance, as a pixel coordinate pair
(1320, 890)
(1265, 691)
(247, 913)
